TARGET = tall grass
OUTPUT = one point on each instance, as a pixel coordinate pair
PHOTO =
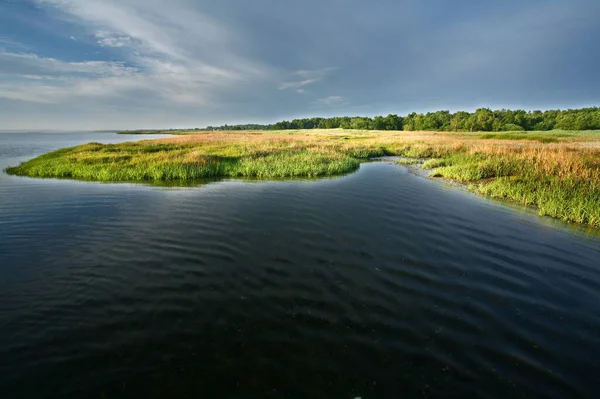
(561, 182)
(147, 161)
(556, 172)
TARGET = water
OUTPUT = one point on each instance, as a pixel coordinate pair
(376, 284)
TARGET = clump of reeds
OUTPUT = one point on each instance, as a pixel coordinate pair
(559, 173)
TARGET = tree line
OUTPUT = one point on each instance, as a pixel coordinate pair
(248, 126)
(483, 119)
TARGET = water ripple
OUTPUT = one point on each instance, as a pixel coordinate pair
(376, 284)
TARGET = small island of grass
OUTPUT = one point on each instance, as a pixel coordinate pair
(558, 172)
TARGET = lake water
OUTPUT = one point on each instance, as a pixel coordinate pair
(376, 284)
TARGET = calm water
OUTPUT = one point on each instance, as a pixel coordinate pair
(377, 284)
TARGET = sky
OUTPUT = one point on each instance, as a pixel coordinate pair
(128, 64)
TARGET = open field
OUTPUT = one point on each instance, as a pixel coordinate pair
(557, 171)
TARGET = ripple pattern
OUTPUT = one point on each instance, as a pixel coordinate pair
(377, 284)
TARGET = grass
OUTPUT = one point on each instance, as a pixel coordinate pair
(557, 172)
(561, 182)
(172, 132)
(213, 157)
(532, 137)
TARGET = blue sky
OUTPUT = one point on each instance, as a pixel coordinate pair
(106, 64)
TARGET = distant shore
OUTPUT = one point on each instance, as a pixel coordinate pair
(173, 132)
(556, 171)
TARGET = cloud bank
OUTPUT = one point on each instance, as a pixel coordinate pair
(93, 64)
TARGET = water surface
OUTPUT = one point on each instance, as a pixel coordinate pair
(376, 284)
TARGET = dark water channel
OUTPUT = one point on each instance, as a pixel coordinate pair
(377, 284)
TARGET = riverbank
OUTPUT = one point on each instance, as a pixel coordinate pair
(558, 172)
(143, 132)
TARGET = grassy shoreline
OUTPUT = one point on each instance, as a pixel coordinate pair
(557, 172)
(157, 132)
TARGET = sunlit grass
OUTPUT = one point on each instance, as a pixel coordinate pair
(561, 181)
(557, 172)
(533, 137)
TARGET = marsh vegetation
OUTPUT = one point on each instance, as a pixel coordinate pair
(558, 172)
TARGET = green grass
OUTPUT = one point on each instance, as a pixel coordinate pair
(166, 162)
(173, 132)
(568, 198)
(533, 137)
(542, 138)
(408, 161)
(560, 177)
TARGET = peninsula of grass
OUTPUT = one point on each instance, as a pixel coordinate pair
(174, 132)
(557, 172)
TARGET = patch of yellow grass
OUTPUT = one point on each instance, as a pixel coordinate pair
(559, 173)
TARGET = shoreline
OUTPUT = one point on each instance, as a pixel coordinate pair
(559, 177)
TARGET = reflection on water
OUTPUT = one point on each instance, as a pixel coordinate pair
(376, 284)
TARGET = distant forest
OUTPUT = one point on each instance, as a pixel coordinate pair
(483, 119)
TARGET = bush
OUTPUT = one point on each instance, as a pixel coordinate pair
(511, 127)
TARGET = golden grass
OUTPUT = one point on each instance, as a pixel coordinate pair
(557, 172)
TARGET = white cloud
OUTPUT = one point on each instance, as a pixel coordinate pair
(107, 39)
(315, 73)
(295, 85)
(213, 63)
(24, 65)
(172, 52)
(8, 42)
(172, 82)
(328, 101)
(308, 77)
(171, 29)
(35, 94)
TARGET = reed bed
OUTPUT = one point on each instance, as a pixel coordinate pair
(558, 173)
